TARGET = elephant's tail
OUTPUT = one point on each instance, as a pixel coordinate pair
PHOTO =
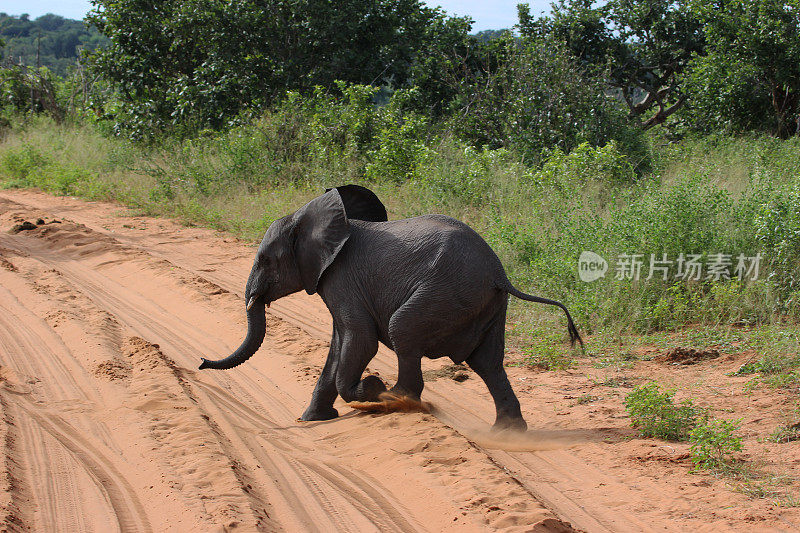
(573, 331)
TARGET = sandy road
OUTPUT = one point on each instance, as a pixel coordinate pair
(103, 318)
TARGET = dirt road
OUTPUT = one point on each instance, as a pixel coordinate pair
(107, 425)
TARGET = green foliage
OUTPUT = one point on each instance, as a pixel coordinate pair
(548, 355)
(776, 369)
(713, 444)
(539, 98)
(186, 65)
(51, 41)
(345, 124)
(752, 66)
(465, 178)
(725, 96)
(778, 229)
(24, 89)
(767, 365)
(21, 164)
(571, 171)
(28, 167)
(654, 413)
(641, 46)
(705, 196)
(400, 151)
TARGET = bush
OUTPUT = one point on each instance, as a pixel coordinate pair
(400, 152)
(778, 229)
(713, 443)
(655, 414)
(572, 171)
(539, 98)
(768, 364)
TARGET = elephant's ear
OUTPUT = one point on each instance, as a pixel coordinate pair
(361, 203)
(320, 231)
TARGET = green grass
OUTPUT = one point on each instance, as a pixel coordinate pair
(721, 194)
(786, 433)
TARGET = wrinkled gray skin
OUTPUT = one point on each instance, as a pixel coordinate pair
(425, 287)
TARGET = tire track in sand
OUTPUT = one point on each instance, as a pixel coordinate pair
(547, 475)
(137, 366)
(331, 487)
(52, 458)
(251, 386)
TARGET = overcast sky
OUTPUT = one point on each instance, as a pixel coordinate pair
(488, 15)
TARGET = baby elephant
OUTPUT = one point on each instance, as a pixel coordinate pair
(425, 286)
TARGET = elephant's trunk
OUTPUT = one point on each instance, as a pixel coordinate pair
(256, 329)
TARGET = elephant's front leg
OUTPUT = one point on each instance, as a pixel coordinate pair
(359, 346)
(321, 407)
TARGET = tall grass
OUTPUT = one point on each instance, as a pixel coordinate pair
(703, 196)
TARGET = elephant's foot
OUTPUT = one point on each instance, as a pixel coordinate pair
(509, 423)
(371, 388)
(368, 389)
(403, 392)
(319, 413)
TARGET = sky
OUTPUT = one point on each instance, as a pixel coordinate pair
(492, 14)
(488, 15)
(71, 9)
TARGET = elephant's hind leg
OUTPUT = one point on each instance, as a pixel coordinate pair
(358, 349)
(487, 362)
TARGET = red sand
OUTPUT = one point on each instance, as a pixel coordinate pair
(107, 425)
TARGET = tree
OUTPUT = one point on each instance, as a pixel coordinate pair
(50, 40)
(642, 45)
(750, 78)
(538, 97)
(202, 62)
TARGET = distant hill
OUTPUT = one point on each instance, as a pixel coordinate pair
(59, 40)
(488, 35)
(62, 39)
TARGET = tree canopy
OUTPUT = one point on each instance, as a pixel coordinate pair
(206, 61)
(750, 77)
(56, 40)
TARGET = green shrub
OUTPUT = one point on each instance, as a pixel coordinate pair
(778, 230)
(345, 123)
(464, 175)
(713, 444)
(540, 98)
(22, 163)
(400, 152)
(768, 364)
(571, 171)
(549, 356)
(655, 414)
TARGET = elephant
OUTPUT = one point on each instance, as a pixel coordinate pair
(427, 286)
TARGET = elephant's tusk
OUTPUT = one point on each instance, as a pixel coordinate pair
(251, 302)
